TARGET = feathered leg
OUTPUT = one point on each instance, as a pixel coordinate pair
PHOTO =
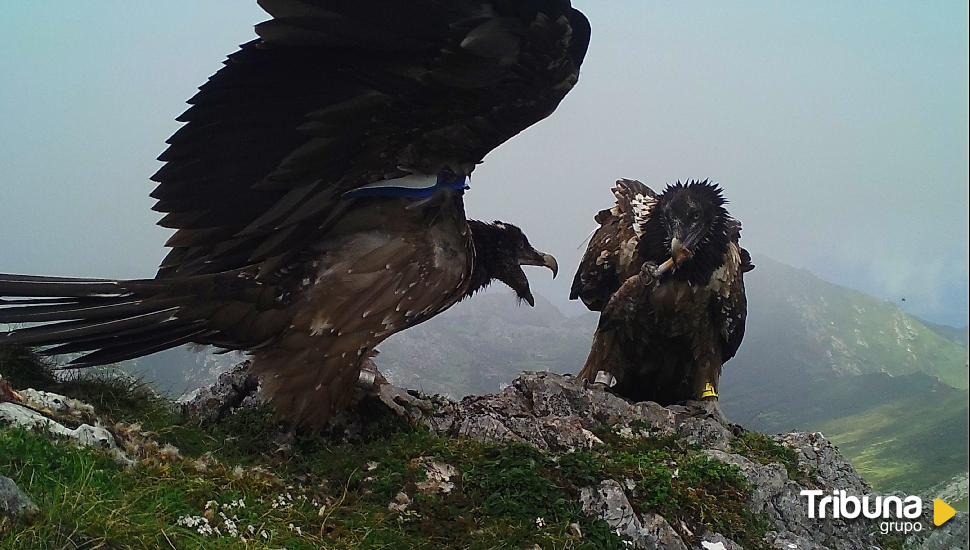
(704, 387)
(309, 386)
(620, 314)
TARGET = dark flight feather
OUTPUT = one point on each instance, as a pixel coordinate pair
(334, 95)
(272, 254)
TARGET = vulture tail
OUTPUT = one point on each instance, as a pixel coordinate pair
(104, 320)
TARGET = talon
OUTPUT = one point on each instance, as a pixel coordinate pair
(402, 402)
(390, 398)
(651, 270)
(710, 408)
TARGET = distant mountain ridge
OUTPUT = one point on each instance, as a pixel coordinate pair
(888, 387)
(958, 335)
(841, 329)
(816, 356)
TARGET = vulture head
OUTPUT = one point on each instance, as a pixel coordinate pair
(501, 249)
(695, 223)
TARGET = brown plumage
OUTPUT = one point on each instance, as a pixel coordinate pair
(664, 334)
(317, 192)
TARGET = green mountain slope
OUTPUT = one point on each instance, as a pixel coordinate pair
(884, 385)
(888, 387)
(908, 443)
(833, 328)
(816, 356)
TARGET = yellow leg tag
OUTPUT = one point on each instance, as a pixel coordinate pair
(709, 391)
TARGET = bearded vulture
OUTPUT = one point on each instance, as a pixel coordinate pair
(316, 189)
(667, 274)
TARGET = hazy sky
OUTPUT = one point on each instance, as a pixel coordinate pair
(838, 130)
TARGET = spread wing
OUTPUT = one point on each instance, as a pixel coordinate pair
(336, 94)
(611, 256)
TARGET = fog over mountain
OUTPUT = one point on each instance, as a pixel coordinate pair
(839, 131)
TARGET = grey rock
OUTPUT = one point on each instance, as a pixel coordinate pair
(14, 504)
(778, 498)
(717, 541)
(658, 529)
(233, 389)
(790, 541)
(819, 456)
(27, 415)
(953, 535)
(767, 480)
(608, 502)
(558, 413)
(552, 412)
(58, 404)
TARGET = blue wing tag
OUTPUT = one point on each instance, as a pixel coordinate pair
(414, 186)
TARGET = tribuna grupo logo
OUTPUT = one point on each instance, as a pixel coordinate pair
(898, 514)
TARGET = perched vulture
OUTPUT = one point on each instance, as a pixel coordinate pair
(316, 190)
(667, 274)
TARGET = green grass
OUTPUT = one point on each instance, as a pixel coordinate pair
(321, 493)
(324, 493)
(908, 444)
(682, 484)
(87, 499)
(24, 369)
(763, 449)
(499, 494)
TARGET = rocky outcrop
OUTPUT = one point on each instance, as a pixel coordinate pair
(608, 501)
(60, 415)
(233, 389)
(14, 504)
(560, 414)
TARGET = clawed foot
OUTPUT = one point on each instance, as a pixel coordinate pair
(403, 402)
(650, 271)
(707, 408)
(711, 408)
(602, 381)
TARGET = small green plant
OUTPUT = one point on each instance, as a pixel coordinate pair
(763, 449)
(680, 482)
(25, 369)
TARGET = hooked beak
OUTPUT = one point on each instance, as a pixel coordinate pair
(518, 281)
(541, 259)
(534, 257)
(678, 252)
